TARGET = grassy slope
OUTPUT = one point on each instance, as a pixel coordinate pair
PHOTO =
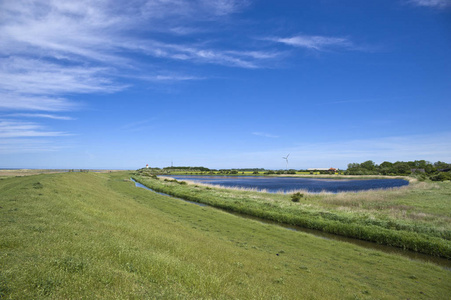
(97, 236)
(414, 217)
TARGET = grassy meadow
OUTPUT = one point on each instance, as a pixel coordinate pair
(416, 217)
(90, 235)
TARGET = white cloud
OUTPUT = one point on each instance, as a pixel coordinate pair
(432, 3)
(94, 31)
(21, 129)
(198, 53)
(313, 42)
(46, 116)
(32, 76)
(17, 101)
(52, 48)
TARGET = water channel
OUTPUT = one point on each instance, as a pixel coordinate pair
(442, 262)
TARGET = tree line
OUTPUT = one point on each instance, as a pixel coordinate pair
(423, 169)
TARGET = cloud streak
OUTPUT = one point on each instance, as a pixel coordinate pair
(314, 42)
(21, 129)
(432, 3)
(52, 48)
(45, 116)
(51, 51)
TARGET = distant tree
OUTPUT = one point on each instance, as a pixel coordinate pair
(401, 168)
(353, 166)
(441, 165)
(386, 168)
(368, 165)
(386, 164)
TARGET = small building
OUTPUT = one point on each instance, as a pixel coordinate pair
(147, 166)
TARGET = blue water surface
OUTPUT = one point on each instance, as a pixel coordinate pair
(287, 184)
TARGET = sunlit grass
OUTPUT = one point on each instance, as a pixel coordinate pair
(84, 235)
(409, 217)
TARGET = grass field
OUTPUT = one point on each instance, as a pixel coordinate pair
(416, 217)
(88, 235)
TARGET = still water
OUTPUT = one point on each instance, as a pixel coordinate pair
(286, 184)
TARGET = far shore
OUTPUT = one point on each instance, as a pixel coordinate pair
(28, 172)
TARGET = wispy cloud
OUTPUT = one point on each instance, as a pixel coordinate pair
(28, 145)
(17, 101)
(21, 129)
(45, 116)
(314, 42)
(199, 53)
(36, 77)
(432, 3)
(52, 48)
(51, 51)
(263, 134)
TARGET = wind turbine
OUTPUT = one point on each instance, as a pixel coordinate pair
(286, 158)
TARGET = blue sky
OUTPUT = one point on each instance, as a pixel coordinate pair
(223, 83)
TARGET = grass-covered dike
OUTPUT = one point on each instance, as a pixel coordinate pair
(416, 218)
(97, 236)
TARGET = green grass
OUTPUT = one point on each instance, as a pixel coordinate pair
(415, 217)
(86, 235)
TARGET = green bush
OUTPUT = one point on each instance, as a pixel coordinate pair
(296, 197)
(441, 176)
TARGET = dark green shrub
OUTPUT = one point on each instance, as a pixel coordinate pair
(37, 185)
(441, 176)
(296, 197)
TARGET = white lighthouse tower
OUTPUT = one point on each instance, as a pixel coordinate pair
(147, 166)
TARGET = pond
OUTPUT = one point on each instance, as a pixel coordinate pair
(287, 184)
